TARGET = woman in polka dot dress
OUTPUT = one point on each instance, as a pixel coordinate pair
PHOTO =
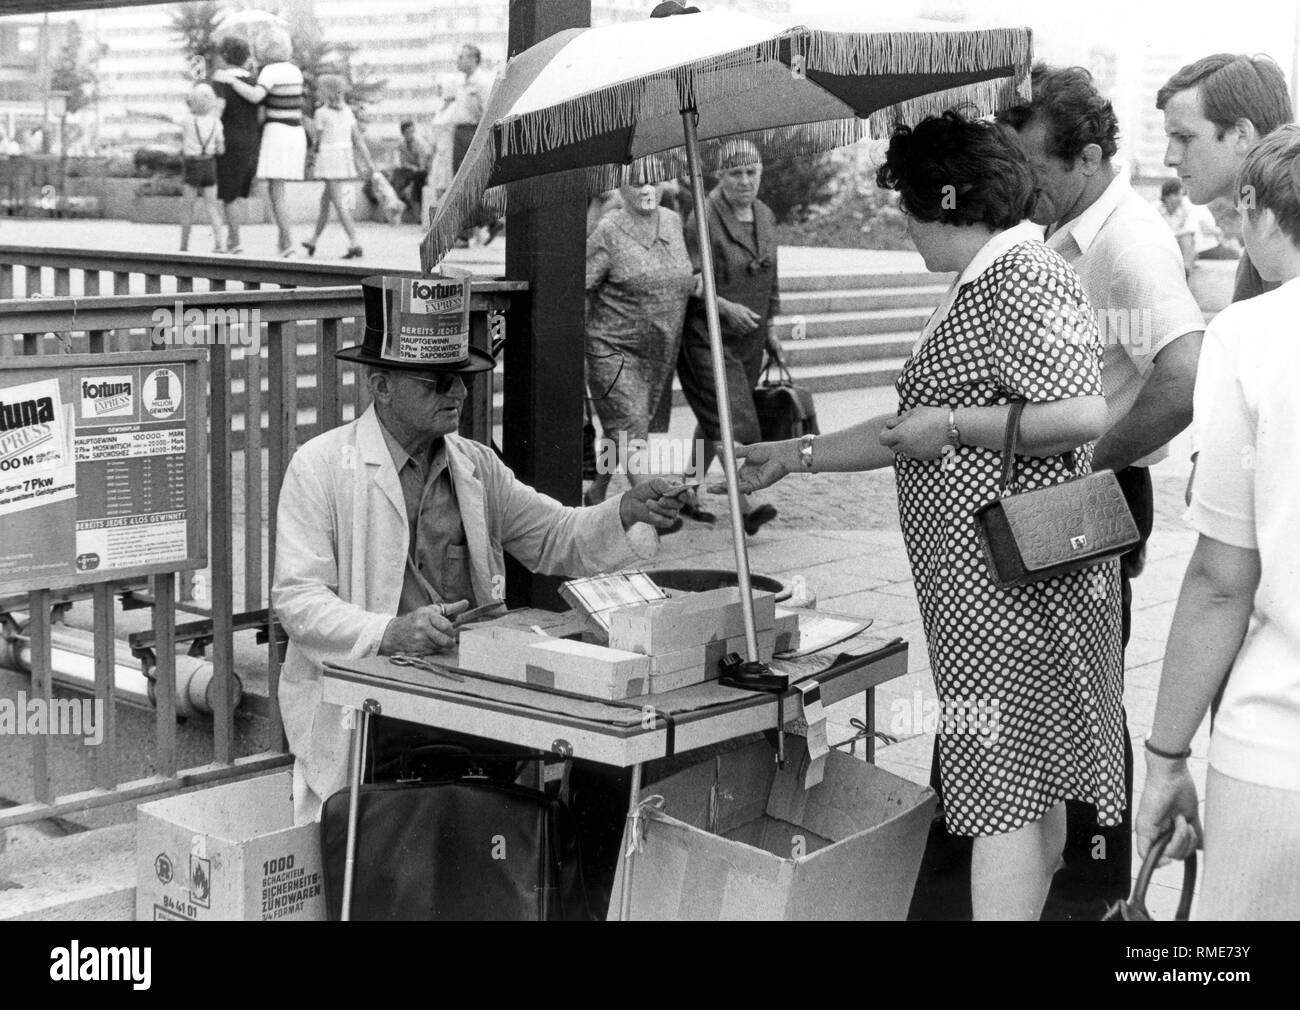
(1029, 678)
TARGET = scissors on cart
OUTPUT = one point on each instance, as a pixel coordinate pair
(487, 612)
(421, 663)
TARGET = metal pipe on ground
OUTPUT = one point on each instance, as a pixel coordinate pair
(73, 663)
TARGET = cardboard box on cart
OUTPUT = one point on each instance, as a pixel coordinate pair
(230, 852)
(739, 839)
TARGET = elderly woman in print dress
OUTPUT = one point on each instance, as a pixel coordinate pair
(1042, 661)
(638, 279)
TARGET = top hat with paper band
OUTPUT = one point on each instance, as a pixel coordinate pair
(417, 324)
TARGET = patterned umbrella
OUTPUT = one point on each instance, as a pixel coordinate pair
(576, 113)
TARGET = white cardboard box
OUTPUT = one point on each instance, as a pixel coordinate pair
(653, 629)
(230, 852)
(583, 668)
(738, 839)
(497, 651)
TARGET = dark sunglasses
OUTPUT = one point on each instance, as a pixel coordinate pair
(443, 382)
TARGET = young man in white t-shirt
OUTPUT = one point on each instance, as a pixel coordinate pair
(1239, 609)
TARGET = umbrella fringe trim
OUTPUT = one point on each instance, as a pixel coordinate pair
(580, 184)
(919, 52)
(777, 143)
(620, 106)
(466, 200)
(980, 99)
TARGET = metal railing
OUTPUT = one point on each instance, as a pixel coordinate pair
(29, 271)
(288, 392)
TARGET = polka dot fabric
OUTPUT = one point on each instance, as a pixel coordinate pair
(1030, 679)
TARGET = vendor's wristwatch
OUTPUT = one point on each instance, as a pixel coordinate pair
(806, 451)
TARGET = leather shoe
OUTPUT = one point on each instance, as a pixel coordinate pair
(759, 517)
(698, 514)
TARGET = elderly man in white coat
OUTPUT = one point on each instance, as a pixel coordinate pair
(391, 525)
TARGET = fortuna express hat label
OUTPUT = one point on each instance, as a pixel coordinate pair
(427, 318)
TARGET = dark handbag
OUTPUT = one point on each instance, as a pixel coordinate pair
(1053, 530)
(784, 409)
(468, 848)
(1135, 909)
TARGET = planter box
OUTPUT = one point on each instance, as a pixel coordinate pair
(116, 195)
(156, 210)
(117, 199)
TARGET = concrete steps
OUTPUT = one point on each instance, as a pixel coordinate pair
(829, 280)
(850, 323)
(864, 299)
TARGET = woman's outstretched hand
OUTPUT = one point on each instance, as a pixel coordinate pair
(765, 463)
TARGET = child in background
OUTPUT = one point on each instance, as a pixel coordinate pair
(337, 136)
(202, 139)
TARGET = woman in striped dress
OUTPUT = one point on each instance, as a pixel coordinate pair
(283, 152)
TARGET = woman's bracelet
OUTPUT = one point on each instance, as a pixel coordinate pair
(1168, 755)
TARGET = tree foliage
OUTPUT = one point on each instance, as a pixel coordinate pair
(315, 55)
(76, 70)
(194, 25)
(794, 187)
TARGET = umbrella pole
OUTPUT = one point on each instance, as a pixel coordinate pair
(720, 385)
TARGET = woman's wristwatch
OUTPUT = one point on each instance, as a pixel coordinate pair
(806, 451)
(954, 433)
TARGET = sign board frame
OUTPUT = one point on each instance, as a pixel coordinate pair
(125, 410)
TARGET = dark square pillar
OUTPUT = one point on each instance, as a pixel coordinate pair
(544, 391)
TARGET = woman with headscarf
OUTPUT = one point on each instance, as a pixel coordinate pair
(742, 236)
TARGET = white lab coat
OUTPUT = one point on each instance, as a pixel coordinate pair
(342, 537)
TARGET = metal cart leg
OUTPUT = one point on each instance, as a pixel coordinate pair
(629, 857)
(360, 732)
(869, 720)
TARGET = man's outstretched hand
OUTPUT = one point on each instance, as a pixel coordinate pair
(423, 631)
(657, 502)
